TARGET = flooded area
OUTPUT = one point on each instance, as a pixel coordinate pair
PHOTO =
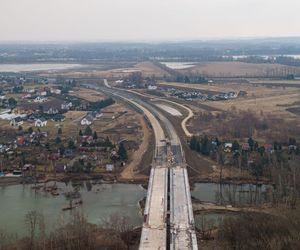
(232, 194)
(99, 201)
(227, 194)
(16, 68)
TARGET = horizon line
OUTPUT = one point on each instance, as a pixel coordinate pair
(169, 40)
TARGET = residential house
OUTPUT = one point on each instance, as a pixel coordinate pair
(42, 93)
(5, 104)
(114, 155)
(227, 147)
(28, 167)
(131, 86)
(33, 117)
(232, 94)
(99, 114)
(292, 148)
(51, 111)
(152, 87)
(88, 120)
(40, 99)
(3, 148)
(242, 93)
(84, 105)
(55, 91)
(109, 167)
(30, 91)
(69, 153)
(66, 105)
(18, 121)
(41, 122)
(38, 135)
(26, 96)
(86, 139)
(58, 118)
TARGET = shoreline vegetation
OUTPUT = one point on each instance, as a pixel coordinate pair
(115, 232)
(115, 178)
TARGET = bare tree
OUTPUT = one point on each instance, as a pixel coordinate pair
(6, 240)
(32, 221)
(78, 234)
(121, 225)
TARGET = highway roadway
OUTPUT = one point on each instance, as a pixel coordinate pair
(184, 121)
(168, 215)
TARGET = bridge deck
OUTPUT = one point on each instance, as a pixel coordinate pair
(154, 228)
(153, 238)
(158, 198)
(182, 219)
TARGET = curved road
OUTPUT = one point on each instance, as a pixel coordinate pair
(185, 120)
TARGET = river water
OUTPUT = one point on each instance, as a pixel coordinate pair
(102, 200)
(232, 194)
(99, 201)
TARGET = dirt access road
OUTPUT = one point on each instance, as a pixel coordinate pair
(131, 172)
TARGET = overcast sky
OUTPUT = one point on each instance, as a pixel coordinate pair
(102, 20)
